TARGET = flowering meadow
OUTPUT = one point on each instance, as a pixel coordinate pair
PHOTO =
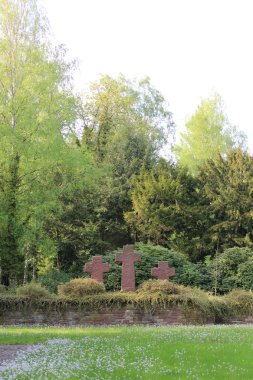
(182, 352)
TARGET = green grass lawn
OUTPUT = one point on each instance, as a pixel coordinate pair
(187, 352)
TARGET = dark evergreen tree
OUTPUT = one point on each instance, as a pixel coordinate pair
(167, 209)
(226, 184)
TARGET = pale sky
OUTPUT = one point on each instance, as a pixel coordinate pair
(189, 48)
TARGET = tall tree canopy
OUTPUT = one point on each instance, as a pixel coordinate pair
(226, 183)
(80, 176)
(207, 133)
(125, 125)
(36, 102)
(166, 208)
(112, 106)
(196, 215)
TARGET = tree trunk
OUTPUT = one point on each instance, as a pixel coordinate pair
(25, 271)
(11, 260)
(34, 269)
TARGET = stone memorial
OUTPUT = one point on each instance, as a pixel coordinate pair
(128, 257)
(163, 271)
(97, 268)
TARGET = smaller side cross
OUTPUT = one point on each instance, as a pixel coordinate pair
(96, 268)
(163, 272)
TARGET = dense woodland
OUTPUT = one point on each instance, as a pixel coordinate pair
(85, 174)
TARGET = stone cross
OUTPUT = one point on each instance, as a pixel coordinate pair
(128, 257)
(163, 272)
(96, 268)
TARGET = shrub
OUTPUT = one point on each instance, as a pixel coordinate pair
(81, 287)
(194, 274)
(233, 265)
(240, 302)
(187, 273)
(159, 286)
(52, 279)
(240, 296)
(33, 290)
(150, 255)
(244, 274)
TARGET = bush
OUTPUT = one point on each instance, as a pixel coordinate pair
(233, 267)
(240, 296)
(33, 290)
(244, 274)
(52, 279)
(81, 287)
(194, 274)
(150, 255)
(241, 301)
(159, 286)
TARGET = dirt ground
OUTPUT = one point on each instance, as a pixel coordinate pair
(9, 351)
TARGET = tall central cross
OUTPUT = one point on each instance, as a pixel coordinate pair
(97, 268)
(163, 272)
(128, 257)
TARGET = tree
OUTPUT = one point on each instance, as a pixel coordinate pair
(166, 209)
(225, 183)
(112, 105)
(36, 103)
(76, 231)
(207, 133)
(125, 123)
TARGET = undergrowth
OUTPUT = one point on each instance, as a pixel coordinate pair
(152, 295)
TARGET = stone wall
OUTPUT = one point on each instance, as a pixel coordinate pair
(241, 320)
(106, 316)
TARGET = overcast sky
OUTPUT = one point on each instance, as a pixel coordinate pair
(189, 48)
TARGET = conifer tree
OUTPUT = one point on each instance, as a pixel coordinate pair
(226, 183)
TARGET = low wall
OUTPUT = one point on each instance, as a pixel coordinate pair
(241, 320)
(106, 316)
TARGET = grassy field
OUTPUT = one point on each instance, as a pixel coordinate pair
(208, 352)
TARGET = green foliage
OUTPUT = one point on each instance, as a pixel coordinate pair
(232, 264)
(113, 106)
(241, 302)
(226, 186)
(38, 164)
(198, 275)
(244, 273)
(167, 209)
(207, 133)
(125, 124)
(84, 176)
(232, 270)
(187, 273)
(150, 255)
(52, 279)
(33, 290)
(80, 287)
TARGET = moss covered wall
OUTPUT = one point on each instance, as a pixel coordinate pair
(105, 316)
